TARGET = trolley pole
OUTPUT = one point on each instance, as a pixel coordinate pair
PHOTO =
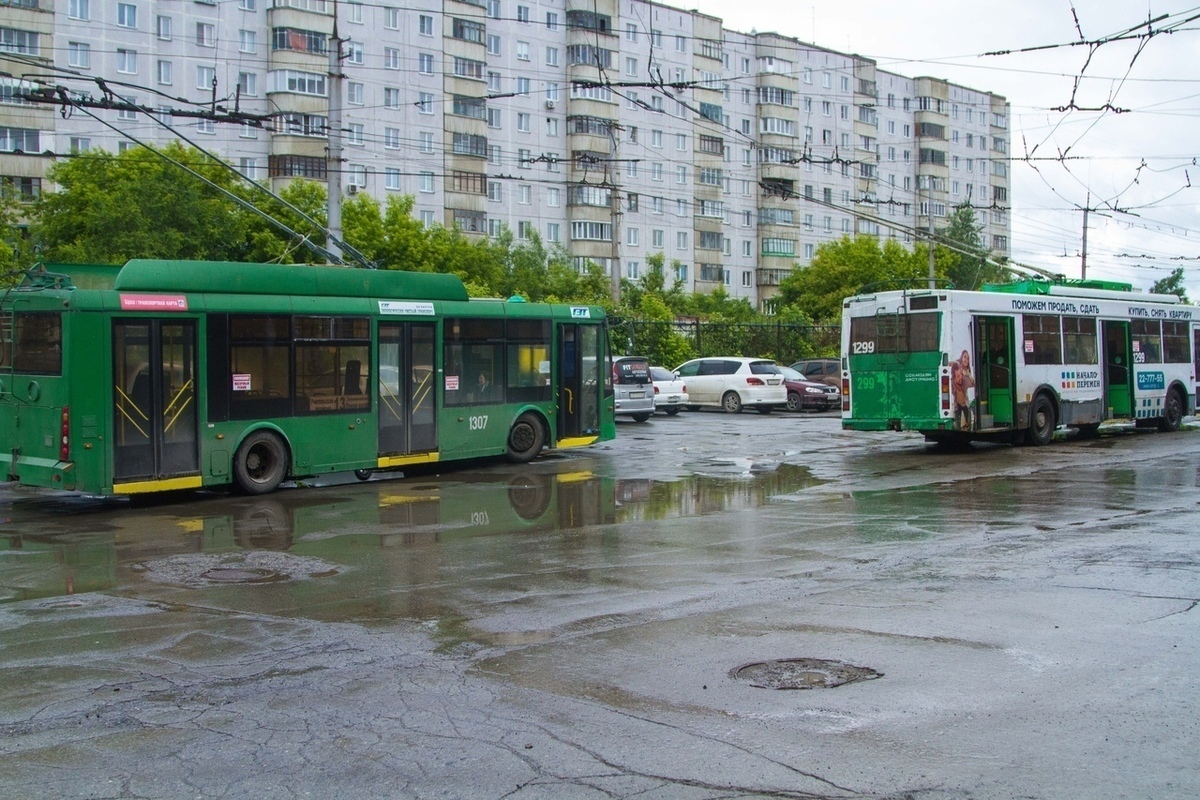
(1083, 259)
(333, 159)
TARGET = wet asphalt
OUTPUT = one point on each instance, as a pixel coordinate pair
(1010, 622)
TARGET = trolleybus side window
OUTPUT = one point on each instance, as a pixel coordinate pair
(36, 343)
(1147, 341)
(528, 360)
(1175, 343)
(332, 364)
(1079, 340)
(473, 361)
(1043, 342)
(260, 366)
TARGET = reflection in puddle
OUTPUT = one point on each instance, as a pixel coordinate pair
(416, 532)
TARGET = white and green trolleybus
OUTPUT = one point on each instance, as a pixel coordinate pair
(1017, 361)
(164, 375)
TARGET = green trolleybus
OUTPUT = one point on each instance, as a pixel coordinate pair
(163, 375)
(1016, 361)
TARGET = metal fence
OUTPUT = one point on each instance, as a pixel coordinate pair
(671, 343)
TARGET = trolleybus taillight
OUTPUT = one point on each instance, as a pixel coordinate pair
(945, 392)
(845, 393)
(64, 439)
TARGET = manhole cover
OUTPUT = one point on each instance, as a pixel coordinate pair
(802, 673)
(242, 575)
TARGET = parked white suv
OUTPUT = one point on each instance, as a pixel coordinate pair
(733, 384)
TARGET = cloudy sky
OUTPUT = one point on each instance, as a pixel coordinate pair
(1135, 164)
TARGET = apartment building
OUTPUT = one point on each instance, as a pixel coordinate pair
(618, 128)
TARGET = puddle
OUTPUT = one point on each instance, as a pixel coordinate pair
(802, 673)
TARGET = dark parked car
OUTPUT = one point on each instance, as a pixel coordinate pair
(824, 370)
(803, 393)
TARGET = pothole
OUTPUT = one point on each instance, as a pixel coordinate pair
(802, 673)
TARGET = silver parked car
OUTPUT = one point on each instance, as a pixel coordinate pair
(733, 383)
(632, 388)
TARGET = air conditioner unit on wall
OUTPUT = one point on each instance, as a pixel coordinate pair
(352, 189)
(550, 104)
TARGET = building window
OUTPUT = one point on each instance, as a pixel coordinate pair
(165, 75)
(425, 63)
(551, 21)
(126, 15)
(493, 45)
(206, 78)
(425, 25)
(425, 102)
(391, 179)
(127, 61)
(425, 142)
(391, 58)
(522, 13)
(523, 123)
(79, 55)
(552, 198)
(248, 42)
(79, 9)
(426, 182)
(354, 94)
(391, 138)
(552, 232)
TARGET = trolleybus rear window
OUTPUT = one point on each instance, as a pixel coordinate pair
(32, 343)
(894, 333)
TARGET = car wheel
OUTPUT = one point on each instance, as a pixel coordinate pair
(1042, 421)
(672, 411)
(260, 463)
(1172, 418)
(693, 408)
(525, 439)
(640, 417)
(732, 403)
(793, 401)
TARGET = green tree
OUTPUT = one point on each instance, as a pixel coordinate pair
(1172, 284)
(842, 268)
(968, 262)
(136, 205)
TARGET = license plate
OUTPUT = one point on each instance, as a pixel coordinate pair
(636, 395)
(673, 398)
(774, 381)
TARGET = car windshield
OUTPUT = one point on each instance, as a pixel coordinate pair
(791, 374)
(661, 374)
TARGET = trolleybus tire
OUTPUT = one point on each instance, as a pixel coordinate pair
(525, 439)
(1041, 421)
(260, 463)
(732, 403)
(363, 474)
(1089, 431)
(640, 417)
(1172, 416)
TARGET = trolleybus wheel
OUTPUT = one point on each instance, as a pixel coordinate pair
(260, 463)
(731, 403)
(1172, 417)
(363, 474)
(1041, 421)
(525, 439)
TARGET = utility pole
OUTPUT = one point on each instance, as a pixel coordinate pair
(1083, 263)
(614, 212)
(333, 158)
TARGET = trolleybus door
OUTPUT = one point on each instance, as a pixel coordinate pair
(407, 418)
(154, 399)
(995, 383)
(579, 380)
(1118, 391)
